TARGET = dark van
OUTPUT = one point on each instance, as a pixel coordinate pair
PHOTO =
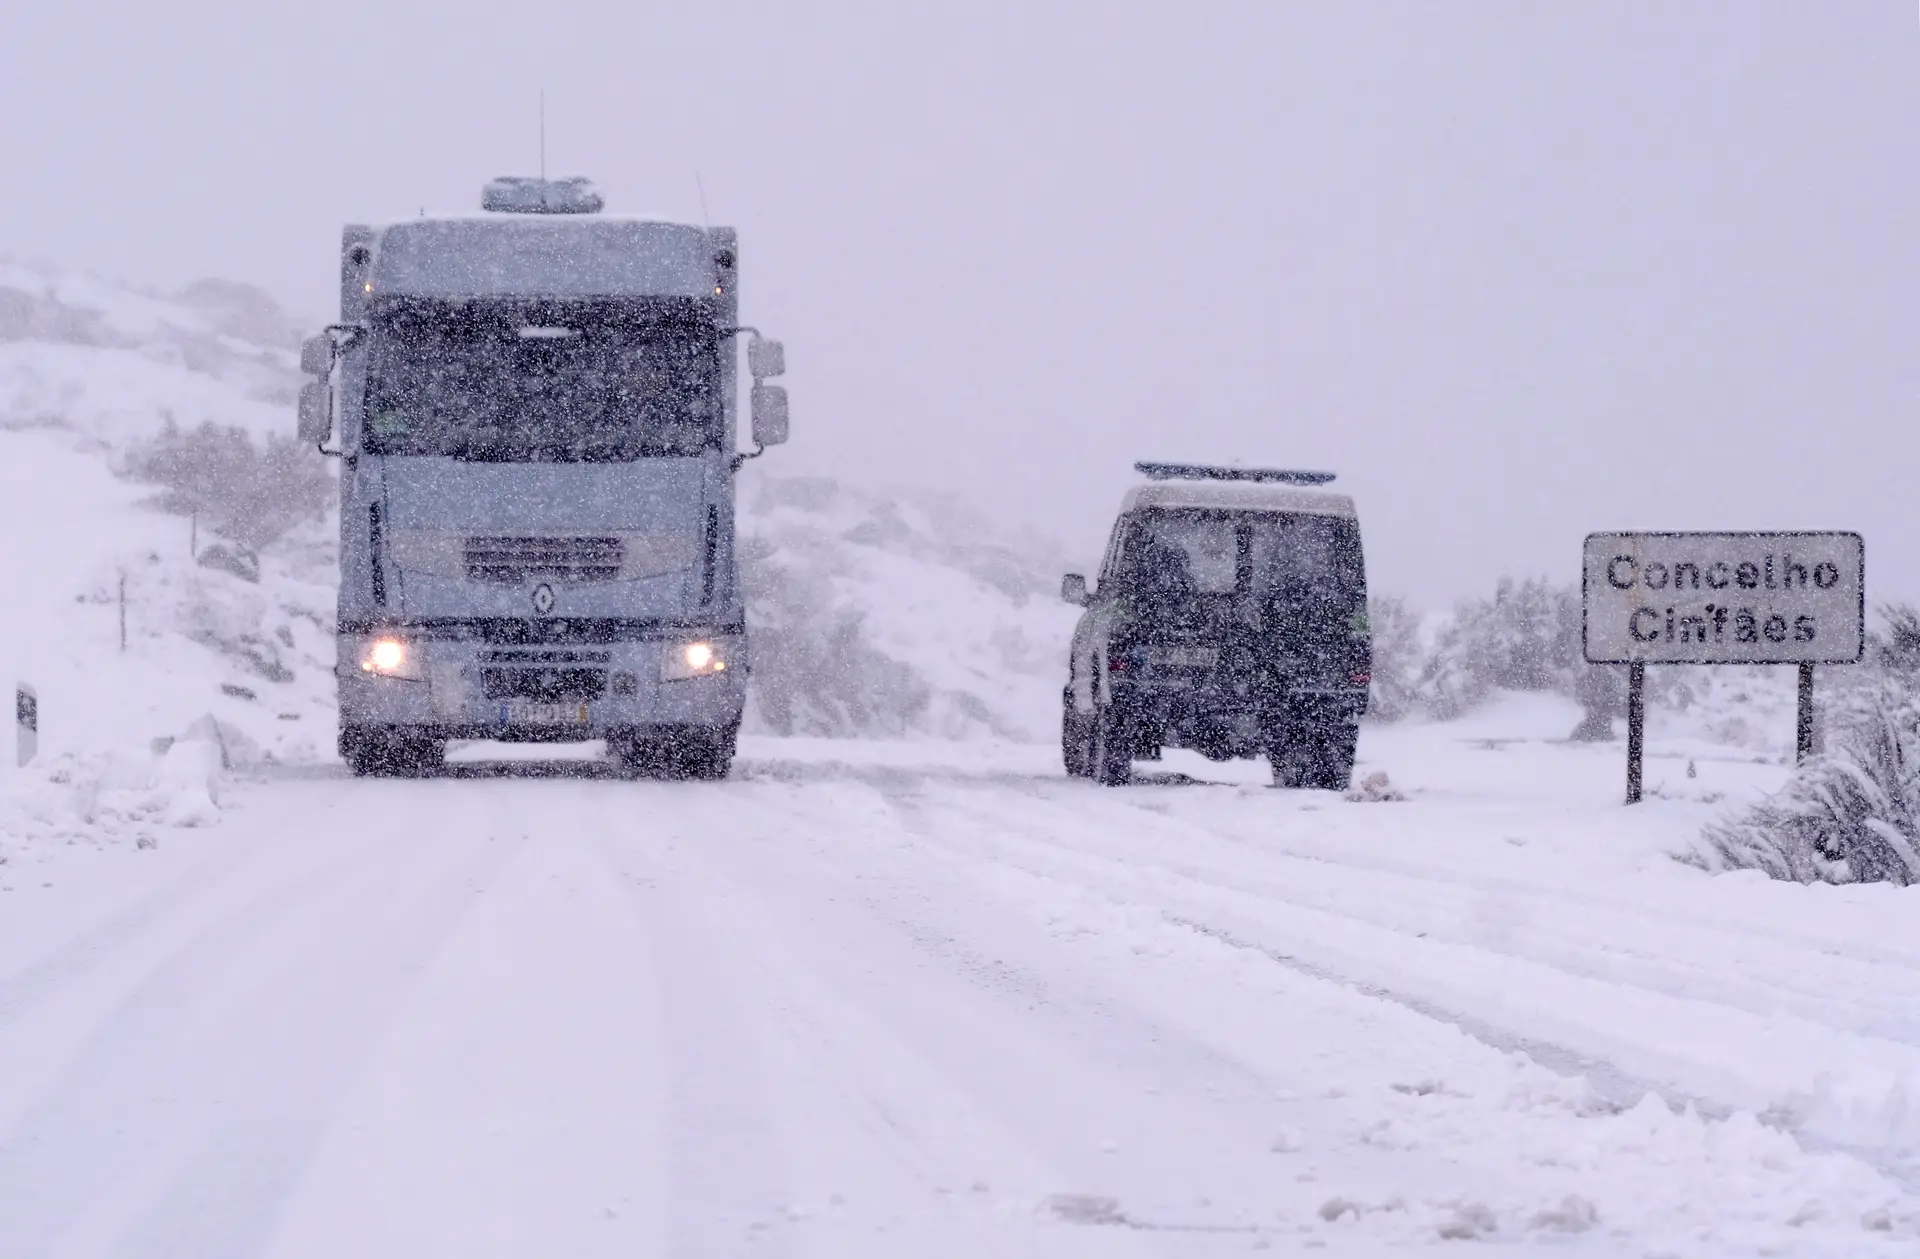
(1230, 618)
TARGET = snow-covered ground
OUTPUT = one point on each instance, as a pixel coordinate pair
(933, 998)
(915, 995)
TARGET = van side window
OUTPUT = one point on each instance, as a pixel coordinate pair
(1110, 565)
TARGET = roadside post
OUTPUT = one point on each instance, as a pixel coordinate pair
(1721, 598)
(26, 718)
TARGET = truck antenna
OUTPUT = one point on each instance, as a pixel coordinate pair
(543, 135)
(705, 220)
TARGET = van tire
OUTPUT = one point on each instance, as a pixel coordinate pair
(1110, 750)
(1076, 739)
(1314, 757)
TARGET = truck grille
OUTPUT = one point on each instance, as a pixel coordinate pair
(513, 560)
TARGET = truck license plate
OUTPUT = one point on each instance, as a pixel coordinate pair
(529, 713)
(1190, 657)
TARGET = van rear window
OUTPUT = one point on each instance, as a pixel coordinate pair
(1303, 561)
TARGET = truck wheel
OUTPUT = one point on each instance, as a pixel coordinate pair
(1075, 740)
(698, 753)
(362, 752)
(385, 754)
(1110, 758)
(703, 755)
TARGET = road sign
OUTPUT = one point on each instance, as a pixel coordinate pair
(1724, 598)
(1721, 598)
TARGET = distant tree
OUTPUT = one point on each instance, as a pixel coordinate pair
(1526, 638)
(1396, 658)
(246, 492)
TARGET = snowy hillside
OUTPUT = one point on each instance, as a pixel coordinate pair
(899, 615)
(106, 363)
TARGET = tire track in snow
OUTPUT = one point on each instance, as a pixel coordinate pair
(727, 1184)
(1209, 1102)
(1875, 995)
(27, 989)
(147, 1149)
(1398, 905)
(954, 1127)
(1121, 881)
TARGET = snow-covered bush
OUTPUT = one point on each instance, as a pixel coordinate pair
(816, 670)
(1397, 658)
(247, 491)
(882, 615)
(1525, 638)
(1851, 814)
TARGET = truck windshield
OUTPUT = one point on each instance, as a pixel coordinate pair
(1297, 562)
(519, 382)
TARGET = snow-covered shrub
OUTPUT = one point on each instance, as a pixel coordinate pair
(1525, 638)
(1895, 646)
(816, 670)
(1397, 658)
(1602, 692)
(882, 615)
(251, 493)
(1851, 814)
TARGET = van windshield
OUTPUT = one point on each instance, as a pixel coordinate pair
(546, 382)
(1291, 562)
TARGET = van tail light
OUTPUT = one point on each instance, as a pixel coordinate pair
(1363, 678)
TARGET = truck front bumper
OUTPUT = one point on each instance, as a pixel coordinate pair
(462, 686)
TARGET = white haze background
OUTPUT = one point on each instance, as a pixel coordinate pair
(1516, 271)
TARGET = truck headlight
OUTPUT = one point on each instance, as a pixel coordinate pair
(697, 659)
(389, 657)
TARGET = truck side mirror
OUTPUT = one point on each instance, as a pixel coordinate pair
(769, 415)
(316, 356)
(316, 417)
(766, 359)
(1073, 589)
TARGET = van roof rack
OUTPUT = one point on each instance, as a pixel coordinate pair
(1209, 472)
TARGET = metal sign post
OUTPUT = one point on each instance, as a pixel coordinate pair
(26, 717)
(1636, 727)
(1803, 732)
(1721, 598)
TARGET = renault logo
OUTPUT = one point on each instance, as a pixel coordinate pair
(543, 598)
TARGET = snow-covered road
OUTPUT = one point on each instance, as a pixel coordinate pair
(873, 1001)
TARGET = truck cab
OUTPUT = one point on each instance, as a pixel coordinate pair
(535, 409)
(1230, 618)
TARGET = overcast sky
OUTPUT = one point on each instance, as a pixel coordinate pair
(1516, 271)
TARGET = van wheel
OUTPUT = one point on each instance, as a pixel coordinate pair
(1318, 758)
(1337, 751)
(1110, 757)
(1076, 740)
